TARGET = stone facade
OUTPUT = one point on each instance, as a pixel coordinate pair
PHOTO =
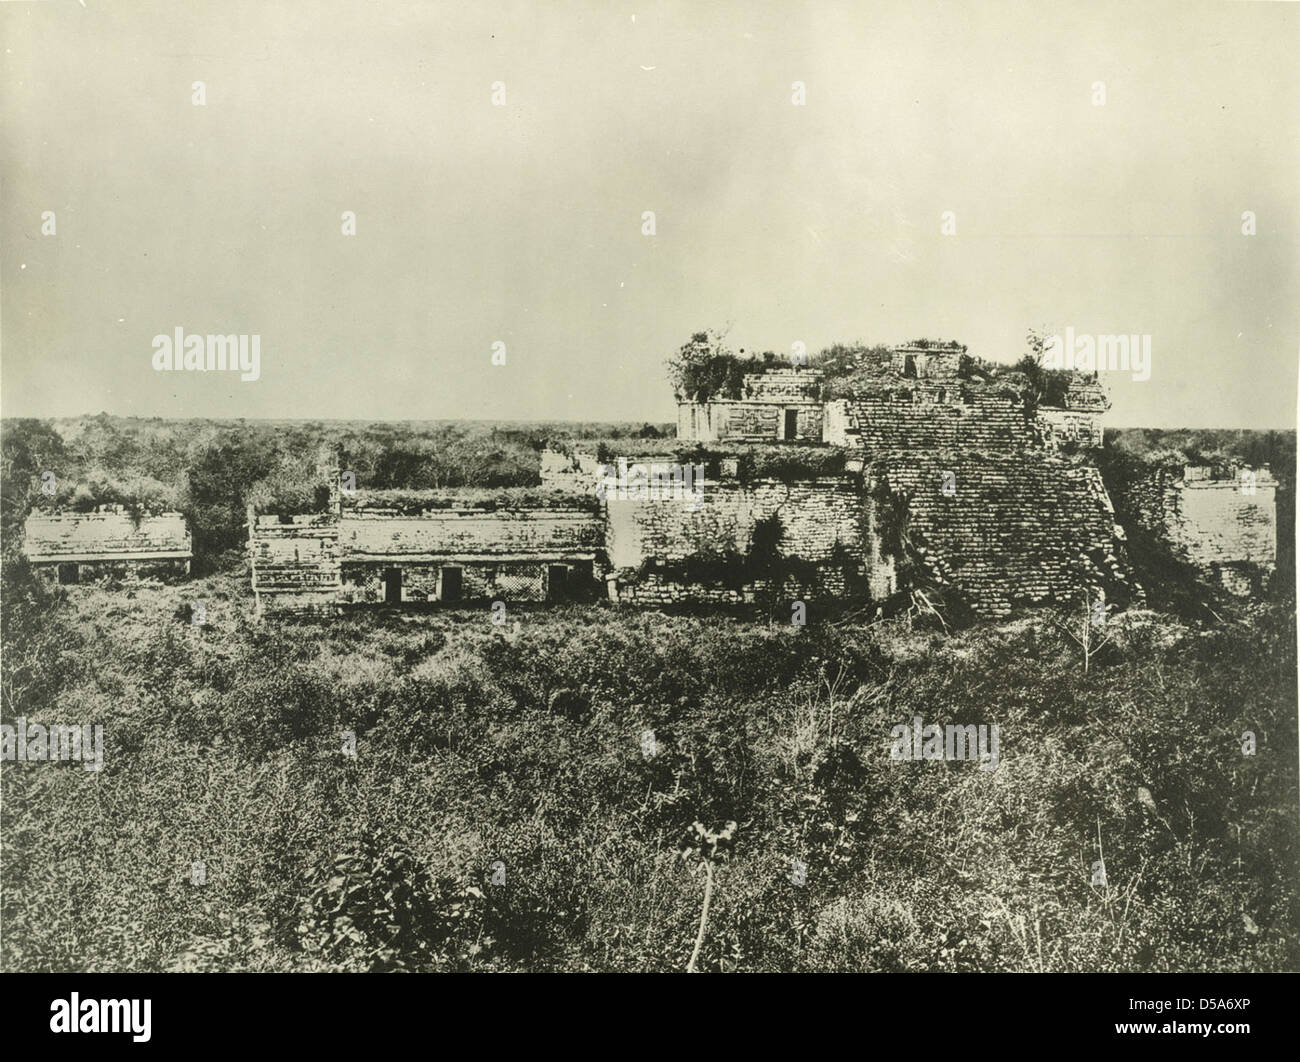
(109, 542)
(778, 405)
(295, 563)
(1225, 527)
(380, 556)
(660, 550)
(532, 554)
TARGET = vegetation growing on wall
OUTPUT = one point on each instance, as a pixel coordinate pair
(413, 502)
(705, 368)
(788, 461)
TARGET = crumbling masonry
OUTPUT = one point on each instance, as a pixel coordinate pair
(916, 480)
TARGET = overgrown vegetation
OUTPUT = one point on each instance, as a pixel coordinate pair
(504, 810)
(788, 462)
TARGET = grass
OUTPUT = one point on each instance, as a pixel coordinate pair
(502, 813)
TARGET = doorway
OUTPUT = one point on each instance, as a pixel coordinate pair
(392, 586)
(791, 424)
(557, 582)
(450, 583)
(67, 574)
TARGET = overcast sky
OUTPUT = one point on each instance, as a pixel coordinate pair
(523, 223)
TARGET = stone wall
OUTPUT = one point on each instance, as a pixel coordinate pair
(1223, 527)
(649, 543)
(1071, 426)
(754, 421)
(936, 416)
(441, 534)
(367, 583)
(108, 543)
(1002, 531)
(782, 385)
(925, 362)
(295, 563)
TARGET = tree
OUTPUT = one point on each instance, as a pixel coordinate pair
(221, 475)
(1046, 386)
(704, 367)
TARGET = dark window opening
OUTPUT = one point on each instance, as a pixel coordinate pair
(67, 574)
(791, 424)
(392, 586)
(909, 365)
(450, 584)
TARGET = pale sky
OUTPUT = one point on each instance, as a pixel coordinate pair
(523, 223)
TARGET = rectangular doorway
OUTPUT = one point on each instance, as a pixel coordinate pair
(67, 574)
(791, 424)
(557, 582)
(450, 584)
(392, 586)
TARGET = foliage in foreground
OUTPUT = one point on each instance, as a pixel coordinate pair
(520, 797)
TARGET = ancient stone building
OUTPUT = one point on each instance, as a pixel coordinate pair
(108, 542)
(942, 480)
(1221, 521)
(778, 405)
(371, 549)
(959, 483)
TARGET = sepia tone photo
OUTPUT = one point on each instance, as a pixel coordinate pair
(667, 488)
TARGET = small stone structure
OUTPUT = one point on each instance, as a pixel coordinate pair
(778, 405)
(1221, 521)
(107, 542)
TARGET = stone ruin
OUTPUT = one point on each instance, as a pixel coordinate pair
(1222, 521)
(107, 542)
(957, 485)
(371, 551)
(924, 481)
